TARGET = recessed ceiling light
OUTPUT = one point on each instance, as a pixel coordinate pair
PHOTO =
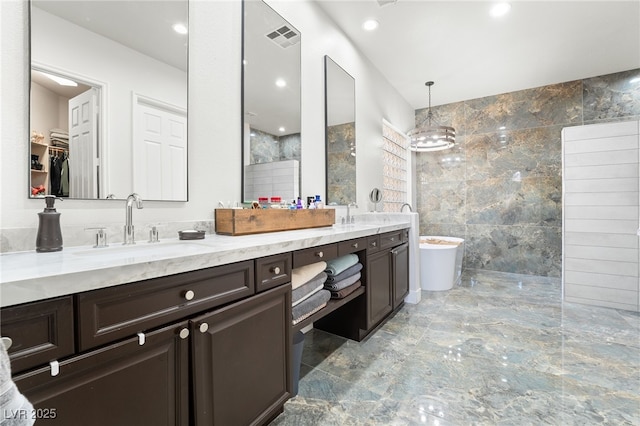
(281, 129)
(180, 28)
(370, 24)
(500, 9)
(635, 80)
(280, 82)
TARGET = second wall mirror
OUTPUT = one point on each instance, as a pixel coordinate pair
(340, 134)
(271, 105)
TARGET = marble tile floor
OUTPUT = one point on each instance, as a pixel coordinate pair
(500, 349)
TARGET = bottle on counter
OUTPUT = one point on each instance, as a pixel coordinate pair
(49, 236)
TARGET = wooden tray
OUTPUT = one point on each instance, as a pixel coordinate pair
(257, 221)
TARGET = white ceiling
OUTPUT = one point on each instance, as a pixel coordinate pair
(469, 54)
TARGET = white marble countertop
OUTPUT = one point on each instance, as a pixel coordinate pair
(30, 276)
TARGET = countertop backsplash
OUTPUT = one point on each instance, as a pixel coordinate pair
(24, 239)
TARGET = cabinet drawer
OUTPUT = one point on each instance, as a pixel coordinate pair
(405, 235)
(121, 384)
(273, 271)
(352, 246)
(390, 239)
(314, 254)
(117, 312)
(40, 331)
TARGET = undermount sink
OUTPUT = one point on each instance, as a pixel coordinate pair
(154, 250)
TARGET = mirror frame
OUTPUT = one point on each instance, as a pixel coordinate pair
(327, 58)
(102, 102)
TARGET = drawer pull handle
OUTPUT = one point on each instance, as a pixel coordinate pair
(320, 254)
(141, 339)
(189, 295)
(184, 333)
(354, 245)
(373, 244)
(275, 270)
(393, 238)
(204, 327)
(55, 368)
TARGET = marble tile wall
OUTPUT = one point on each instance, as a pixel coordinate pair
(266, 147)
(500, 188)
(341, 165)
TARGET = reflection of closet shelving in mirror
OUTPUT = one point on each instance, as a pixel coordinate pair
(39, 168)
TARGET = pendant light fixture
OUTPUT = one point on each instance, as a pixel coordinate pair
(433, 137)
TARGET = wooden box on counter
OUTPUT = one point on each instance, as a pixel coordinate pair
(257, 221)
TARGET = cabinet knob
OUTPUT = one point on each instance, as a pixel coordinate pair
(275, 270)
(203, 327)
(189, 295)
(393, 238)
(354, 245)
(319, 254)
(141, 339)
(184, 333)
(373, 244)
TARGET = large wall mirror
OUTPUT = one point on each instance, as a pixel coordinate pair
(340, 134)
(271, 105)
(108, 99)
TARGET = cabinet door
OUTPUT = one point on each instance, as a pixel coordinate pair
(241, 360)
(122, 384)
(400, 270)
(379, 298)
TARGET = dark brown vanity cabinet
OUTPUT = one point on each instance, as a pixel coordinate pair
(400, 273)
(241, 360)
(386, 282)
(121, 384)
(198, 348)
(379, 291)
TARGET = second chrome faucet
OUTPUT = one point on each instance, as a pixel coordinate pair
(129, 234)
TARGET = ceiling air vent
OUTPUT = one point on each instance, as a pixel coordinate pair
(284, 36)
(386, 2)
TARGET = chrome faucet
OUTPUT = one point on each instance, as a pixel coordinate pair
(129, 235)
(351, 219)
(405, 205)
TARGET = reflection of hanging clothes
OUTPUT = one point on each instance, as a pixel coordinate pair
(55, 174)
(64, 179)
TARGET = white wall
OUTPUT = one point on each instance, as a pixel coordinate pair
(375, 99)
(214, 115)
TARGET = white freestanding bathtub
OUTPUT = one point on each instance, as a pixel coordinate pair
(440, 262)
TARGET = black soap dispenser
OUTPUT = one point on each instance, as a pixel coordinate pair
(49, 233)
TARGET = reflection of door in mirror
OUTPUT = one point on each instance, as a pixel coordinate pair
(271, 105)
(122, 49)
(340, 134)
(65, 117)
(159, 150)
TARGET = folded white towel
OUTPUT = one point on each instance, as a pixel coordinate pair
(304, 274)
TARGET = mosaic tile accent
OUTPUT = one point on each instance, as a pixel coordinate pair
(504, 177)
